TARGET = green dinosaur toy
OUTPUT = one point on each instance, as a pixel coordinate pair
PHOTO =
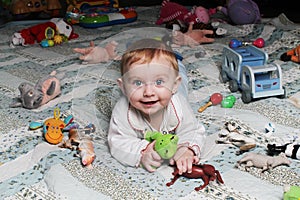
(165, 145)
(291, 192)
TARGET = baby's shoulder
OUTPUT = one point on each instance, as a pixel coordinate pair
(121, 105)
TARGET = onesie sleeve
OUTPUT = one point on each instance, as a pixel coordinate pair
(190, 131)
(124, 142)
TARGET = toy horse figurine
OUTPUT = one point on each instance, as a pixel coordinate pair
(204, 171)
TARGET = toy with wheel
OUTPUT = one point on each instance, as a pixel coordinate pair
(246, 69)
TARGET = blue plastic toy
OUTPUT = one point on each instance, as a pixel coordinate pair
(246, 69)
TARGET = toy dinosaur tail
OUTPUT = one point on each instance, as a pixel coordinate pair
(219, 178)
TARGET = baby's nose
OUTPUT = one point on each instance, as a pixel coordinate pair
(149, 90)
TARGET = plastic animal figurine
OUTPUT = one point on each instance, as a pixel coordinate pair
(291, 192)
(264, 162)
(53, 127)
(204, 171)
(165, 145)
(234, 134)
(33, 96)
(291, 150)
(83, 143)
(291, 55)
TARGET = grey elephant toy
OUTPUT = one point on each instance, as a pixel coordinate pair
(33, 96)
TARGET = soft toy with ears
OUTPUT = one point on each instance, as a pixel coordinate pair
(165, 144)
(241, 11)
(39, 32)
(291, 55)
(172, 10)
(33, 96)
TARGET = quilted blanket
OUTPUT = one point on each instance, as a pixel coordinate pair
(31, 168)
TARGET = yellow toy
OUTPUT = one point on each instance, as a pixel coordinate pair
(53, 127)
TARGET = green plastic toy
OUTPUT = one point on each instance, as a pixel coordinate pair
(291, 193)
(165, 145)
(228, 101)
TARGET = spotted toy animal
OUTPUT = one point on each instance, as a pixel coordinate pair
(204, 171)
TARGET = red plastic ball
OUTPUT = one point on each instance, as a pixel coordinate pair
(259, 42)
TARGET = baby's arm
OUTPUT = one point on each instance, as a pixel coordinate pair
(184, 159)
(191, 138)
(127, 145)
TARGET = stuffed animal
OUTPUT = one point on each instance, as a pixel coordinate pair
(291, 55)
(53, 127)
(33, 96)
(165, 145)
(39, 32)
(171, 10)
(241, 11)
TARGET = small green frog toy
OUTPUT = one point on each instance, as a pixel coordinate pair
(165, 145)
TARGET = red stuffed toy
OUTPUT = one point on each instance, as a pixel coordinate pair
(171, 11)
(37, 33)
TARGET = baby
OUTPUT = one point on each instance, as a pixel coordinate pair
(154, 85)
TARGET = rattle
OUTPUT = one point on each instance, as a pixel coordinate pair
(53, 127)
(215, 99)
(259, 42)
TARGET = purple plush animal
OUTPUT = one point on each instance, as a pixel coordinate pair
(241, 11)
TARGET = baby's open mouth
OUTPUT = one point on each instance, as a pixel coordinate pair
(149, 102)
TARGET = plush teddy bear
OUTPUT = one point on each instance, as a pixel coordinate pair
(33, 96)
(39, 32)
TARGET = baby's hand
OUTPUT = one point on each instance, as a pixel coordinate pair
(150, 158)
(184, 159)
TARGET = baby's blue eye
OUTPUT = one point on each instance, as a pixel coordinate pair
(159, 82)
(137, 83)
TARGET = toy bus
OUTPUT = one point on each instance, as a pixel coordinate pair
(246, 69)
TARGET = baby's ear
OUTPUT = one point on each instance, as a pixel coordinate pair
(121, 85)
(176, 84)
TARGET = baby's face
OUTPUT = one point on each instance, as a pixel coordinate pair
(149, 87)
